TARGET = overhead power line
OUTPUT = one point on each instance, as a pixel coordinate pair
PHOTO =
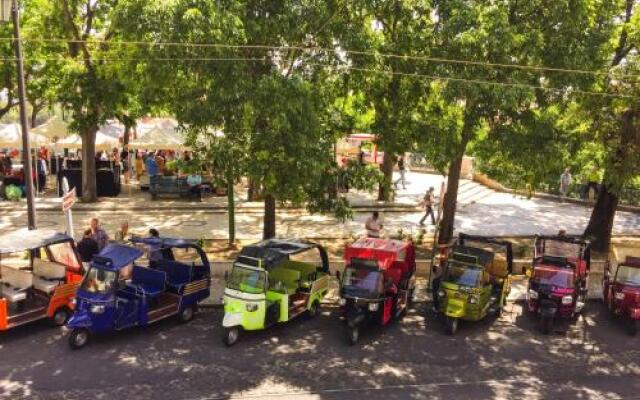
(364, 70)
(439, 60)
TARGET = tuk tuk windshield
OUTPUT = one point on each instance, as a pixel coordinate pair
(247, 280)
(99, 281)
(465, 275)
(628, 275)
(553, 277)
(362, 282)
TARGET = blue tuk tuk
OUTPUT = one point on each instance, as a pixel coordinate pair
(117, 294)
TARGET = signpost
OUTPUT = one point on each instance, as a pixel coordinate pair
(68, 200)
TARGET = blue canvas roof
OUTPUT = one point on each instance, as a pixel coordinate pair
(116, 256)
(164, 242)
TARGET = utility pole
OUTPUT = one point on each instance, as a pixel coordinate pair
(22, 94)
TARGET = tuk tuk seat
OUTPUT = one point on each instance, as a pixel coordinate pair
(152, 282)
(15, 283)
(47, 275)
(289, 278)
(307, 271)
(178, 274)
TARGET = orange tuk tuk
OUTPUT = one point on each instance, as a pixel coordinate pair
(39, 273)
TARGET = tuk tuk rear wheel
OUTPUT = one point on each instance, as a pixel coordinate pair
(187, 314)
(78, 338)
(60, 316)
(452, 325)
(353, 334)
(231, 336)
(633, 326)
(314, 310)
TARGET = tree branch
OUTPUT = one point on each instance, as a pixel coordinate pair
(75, 32)
(623, 49)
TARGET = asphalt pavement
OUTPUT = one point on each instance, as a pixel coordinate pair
(591, 358)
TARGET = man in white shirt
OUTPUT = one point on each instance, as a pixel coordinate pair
(373, 225)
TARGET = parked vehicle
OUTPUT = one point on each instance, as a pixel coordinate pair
(558, 278)
(476, 279)
(621, 289)
(272, 282)
(378, 283)
(39, 273)
(117, 294)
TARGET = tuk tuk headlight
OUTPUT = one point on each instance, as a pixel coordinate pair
(342, 301)
(251, 307)
(533, 295)
(473, 299)
(74, 302)
(619, 296)
(566, 300)
(373, 306)
(97, 309)
(442, 293)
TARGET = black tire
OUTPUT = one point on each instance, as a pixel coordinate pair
(78, 338)
(546, 324)
(231, 336)
(187, 314)
(353, 334)
(60, 316)
(633, 326)
(451, 325)
(314, 310)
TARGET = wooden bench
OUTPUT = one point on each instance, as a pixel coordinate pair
(171, 185)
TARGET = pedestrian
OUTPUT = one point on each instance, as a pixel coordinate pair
(41, 170)
(565, 182)
(436, 274)
(98, 234)
(87, 248)
(151, 165)
(373, 225)
(154, 249)
(361, 156)
(401, 169)
(124, 158)
(593, 177)
(428, 201)
(160, 161)
(122, 234)
(139, 165)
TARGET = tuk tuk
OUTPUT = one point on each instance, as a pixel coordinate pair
(621, 286)
(39, 273)
(476, 279)
(272, 282)
(378, 283)
(558, 278)
(117, 293)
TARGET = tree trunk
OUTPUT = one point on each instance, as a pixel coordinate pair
(231, 209)
(253, 194)
(34, 117)
(127, 134)
(600, 225)
(269, 230)
(384, 189)
(448, 211)
(89, 190)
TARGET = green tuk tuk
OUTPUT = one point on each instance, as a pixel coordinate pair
(272, 282)
(476, 279)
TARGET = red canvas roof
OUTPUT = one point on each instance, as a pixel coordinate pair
(384, 250)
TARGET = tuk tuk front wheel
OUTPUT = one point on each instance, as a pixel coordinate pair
(546, 323)
(78, 338)
(231, 336)
(187, 314)
(314, 310)
(60, 317)
(633, 326)
(452, 325)
(353, 334)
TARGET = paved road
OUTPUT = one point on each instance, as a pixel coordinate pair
(505, 358)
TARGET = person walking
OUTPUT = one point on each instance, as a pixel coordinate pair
(402, 170)
(565, 182)
(428, 201)
(373, 225)
(98, 234)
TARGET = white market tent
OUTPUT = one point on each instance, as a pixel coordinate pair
(11, 136)
(103, 142)
(158, 138)
(54, 129)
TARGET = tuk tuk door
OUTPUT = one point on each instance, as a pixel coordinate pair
(126, 313)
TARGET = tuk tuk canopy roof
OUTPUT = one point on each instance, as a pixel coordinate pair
(116, 256)
(274, 251)
(24, 239)
(165, 242)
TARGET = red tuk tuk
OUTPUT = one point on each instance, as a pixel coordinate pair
(621, 287)
(39, 273)
(378, 282)
(558, 278)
